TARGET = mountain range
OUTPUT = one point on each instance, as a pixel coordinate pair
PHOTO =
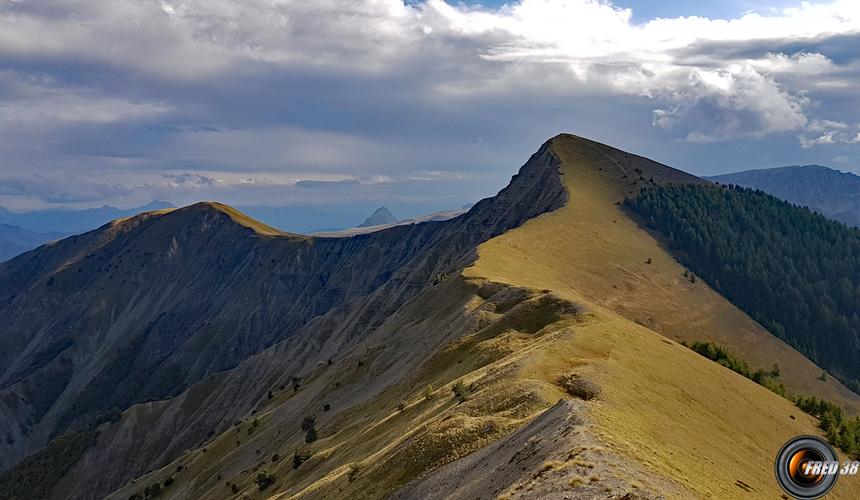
(15, 240)
(72, 221)
(23, 231)
(533, 346)
(831, 192)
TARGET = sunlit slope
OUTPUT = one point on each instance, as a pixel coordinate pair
(593, 249)
(684, 417)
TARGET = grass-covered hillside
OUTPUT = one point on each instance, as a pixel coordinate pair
(794, 271)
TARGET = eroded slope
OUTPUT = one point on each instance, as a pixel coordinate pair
(150, 306)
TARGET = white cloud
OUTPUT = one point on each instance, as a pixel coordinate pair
(799, 64)
(827, 132)
(580, 44)
(267, 92)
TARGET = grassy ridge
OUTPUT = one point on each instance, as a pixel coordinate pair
(792, 270)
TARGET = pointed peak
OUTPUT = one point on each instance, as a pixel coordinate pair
(379, 217)
(156, 205)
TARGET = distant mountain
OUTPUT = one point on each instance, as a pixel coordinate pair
(337, 218)
(431, 217)
(15, 240)
(73, 221)
(303, 219)
(381, 216)
(831, 192)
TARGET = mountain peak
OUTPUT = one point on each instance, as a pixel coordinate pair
(379, 217)
(620, 171)
(214, 207)
(203, 212)
(156, 205)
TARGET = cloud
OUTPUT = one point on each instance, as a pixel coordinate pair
(724, 105)
(826, 132)
(57, 190)
(229, 98)
(189, 180)
(327, 184)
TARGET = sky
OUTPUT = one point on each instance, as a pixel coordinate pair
(424, 105)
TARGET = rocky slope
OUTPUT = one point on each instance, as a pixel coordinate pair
(423, 353)
(146, 306)
(831, 192)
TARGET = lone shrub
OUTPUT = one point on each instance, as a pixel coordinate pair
(300, 458)
(152, 491)
(264, 480)
(461, 391)
(354, 470)
(311, 435)
(308, 425)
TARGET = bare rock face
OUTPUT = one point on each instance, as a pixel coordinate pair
(381, 216)
(146, 307)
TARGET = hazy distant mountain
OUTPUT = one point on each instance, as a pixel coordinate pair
(431, 217)
(381, 216)
(15, 240)
(337, 217)
(831, 192)
(73, 221)
(305, 219)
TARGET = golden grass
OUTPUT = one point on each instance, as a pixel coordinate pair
(679, 414)
(247, 221)
(591, 249)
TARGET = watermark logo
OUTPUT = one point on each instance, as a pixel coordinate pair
(807, 467)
